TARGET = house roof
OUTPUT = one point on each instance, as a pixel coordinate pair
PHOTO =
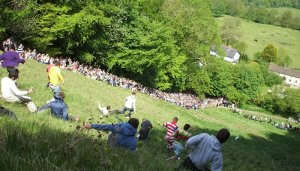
(285, 71)
(230, 52)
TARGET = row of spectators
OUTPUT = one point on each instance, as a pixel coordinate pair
(188, 101)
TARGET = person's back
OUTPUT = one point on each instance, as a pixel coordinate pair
(55, 76)
(130, 102)
(126, 136)
(146, 126)
(11, 59)
(122, 135)
(207, 151)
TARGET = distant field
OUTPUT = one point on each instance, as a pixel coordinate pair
(257, 36)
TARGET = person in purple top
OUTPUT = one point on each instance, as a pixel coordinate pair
(11, 59)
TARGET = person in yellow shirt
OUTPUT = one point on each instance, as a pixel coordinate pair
(55, 77)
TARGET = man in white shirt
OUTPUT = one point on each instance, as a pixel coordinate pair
(129, 105)
(11, 93)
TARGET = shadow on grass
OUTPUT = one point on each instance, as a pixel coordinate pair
(37, 146)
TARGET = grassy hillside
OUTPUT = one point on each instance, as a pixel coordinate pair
(257, 36)
(41, 142)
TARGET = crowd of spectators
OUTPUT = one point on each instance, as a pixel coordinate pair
(188, 101)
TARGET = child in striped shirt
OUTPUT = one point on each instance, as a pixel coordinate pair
(172, 131)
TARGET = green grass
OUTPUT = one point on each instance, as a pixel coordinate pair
(41, 142)
(295, 12)
(288, 39)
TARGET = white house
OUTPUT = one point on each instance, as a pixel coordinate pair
(231, 54)
(291, 76)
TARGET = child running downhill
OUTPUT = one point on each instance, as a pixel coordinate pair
(172, 130)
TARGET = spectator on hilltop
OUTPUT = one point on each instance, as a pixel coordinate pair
(206, 151)
(11, 59)
(129, 105)
(58, 107)
(11, 93)
(55, 76)
(122, 135)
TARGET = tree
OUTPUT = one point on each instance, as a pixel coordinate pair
(269, 54)
(286, 19)
(283, 59)
(218, 8)
(229, 33)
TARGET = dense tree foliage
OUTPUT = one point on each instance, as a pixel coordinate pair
(272, 54)
(284, 101)
(140, 39)
(259, 11)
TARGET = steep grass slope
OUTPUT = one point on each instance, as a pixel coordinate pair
(41, 142)
(258, 36)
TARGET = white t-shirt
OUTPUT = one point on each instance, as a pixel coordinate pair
(10, 91)
(130, 102)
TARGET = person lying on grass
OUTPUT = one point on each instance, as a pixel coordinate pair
(106, 111)
(206, 151)
(122, 135)
(58, 107)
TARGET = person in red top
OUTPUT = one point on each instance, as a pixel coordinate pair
(184, 134)
(172, 131)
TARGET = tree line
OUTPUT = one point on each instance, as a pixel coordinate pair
(259, 11)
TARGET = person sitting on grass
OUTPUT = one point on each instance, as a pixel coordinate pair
(122, 135)
(184, 134)
(11, 93)
(145, 129)
(129, 105)
(58, 107)
(206, 150)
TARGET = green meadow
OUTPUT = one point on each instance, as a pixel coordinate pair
(258, 36)
(42, 142)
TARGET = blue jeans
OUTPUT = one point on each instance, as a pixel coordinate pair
(177, 148)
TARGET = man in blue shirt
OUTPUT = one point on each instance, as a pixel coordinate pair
(122, 135)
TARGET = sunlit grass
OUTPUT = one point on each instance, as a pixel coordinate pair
(42, 142)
